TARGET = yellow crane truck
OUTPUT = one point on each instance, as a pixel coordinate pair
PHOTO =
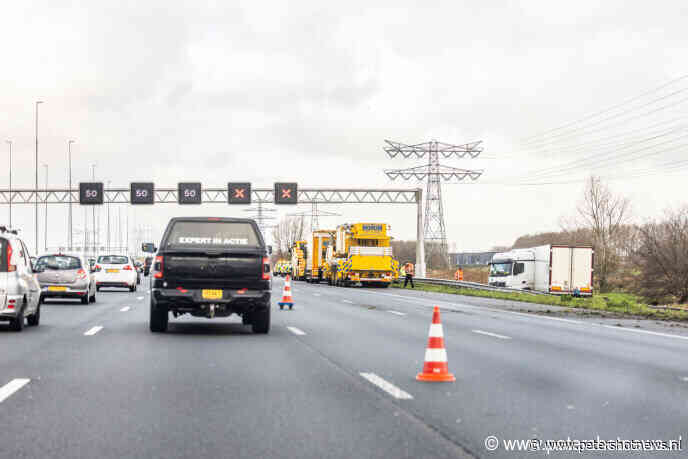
(299, 252)
(319, 241)
(361, 255)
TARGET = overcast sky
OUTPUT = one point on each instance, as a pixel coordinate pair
(261, 91)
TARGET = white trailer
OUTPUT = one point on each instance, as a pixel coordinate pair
(557, 269)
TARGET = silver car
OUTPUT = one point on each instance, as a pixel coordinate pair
(64, 275)
(19, 289)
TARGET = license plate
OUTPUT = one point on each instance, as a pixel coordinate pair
(112, 270)
(211, 294)
(57, 289)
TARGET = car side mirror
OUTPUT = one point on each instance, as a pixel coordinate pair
(38, 270)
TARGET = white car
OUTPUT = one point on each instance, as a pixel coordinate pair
(115, 271)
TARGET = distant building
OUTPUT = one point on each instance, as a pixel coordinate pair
(470, 258)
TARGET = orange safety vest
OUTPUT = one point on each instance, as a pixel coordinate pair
(458, 275)
(408, 267)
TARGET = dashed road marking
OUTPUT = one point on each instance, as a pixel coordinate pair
(397, 313)
(387, 386)
(12, 387)
(316, 294)
(139, 298)
(296, 331)
(648, 332)
(125, 309)
(347, 301)
(93, 330)
(494, 335)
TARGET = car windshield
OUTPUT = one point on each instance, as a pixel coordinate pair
(58, 262)
(113, 260)
(212, 234)
(500, 269)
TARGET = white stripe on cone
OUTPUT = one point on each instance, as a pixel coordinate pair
(436, 331)
(435, 355)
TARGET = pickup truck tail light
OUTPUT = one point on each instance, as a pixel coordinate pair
(157, 267)
(81, 274)
(10, 266)
(266, 269)
(127, 268)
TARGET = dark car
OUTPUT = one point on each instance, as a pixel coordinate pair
(147, 262)
(211, 267)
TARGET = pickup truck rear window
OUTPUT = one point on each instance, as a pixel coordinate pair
(212, 234)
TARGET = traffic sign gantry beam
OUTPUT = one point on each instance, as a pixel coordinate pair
(262, 195)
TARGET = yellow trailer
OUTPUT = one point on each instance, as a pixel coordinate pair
(299, 253)
(362, 255)
(319, 242)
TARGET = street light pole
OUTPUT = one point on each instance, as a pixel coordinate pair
(45, 230)
(93, 209)
(69, 149)
(9, 142)
(108, 222)
(38, 102)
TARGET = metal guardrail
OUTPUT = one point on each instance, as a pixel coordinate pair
(474, 285)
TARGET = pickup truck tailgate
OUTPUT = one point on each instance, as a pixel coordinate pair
(228, 269)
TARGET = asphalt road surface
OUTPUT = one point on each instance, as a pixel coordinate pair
(335, 378)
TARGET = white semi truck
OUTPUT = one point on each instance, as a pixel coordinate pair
(558, 269)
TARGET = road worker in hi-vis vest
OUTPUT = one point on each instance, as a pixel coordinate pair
(408, 270)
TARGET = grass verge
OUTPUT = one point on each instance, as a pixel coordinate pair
(620, 304)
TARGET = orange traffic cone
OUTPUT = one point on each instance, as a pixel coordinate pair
(435, 367)
(286, 294)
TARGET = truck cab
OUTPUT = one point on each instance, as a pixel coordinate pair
(513, 269)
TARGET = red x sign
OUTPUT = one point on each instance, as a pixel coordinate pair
(286, 193)
(240, 193)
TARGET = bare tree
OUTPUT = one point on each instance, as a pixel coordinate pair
(605, 215)
(662, 256)
(289, 230)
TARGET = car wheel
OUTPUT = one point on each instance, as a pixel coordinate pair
(17, 324)
(35, 318)
(261, 320)
(159, 318)
(84, 300)
(97, 289)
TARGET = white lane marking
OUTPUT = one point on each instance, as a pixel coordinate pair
(125, 309)
(530, 316)
(494, 335)
(139, 297)
(12, 387)
(397, 313)
(648, 332)
(347, 301)
(387, 386)
(316, 294)
(296, 331)
(92, 331)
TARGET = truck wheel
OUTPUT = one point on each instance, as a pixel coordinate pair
(159, 318)
(246, 318)
(35, 318)
(261, 321)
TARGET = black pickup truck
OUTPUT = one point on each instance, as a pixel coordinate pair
(211, 267)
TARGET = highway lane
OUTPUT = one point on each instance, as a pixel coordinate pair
(205, 389)
(335, 378)
(518, 376)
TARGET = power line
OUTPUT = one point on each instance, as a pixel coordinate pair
(606, 110)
